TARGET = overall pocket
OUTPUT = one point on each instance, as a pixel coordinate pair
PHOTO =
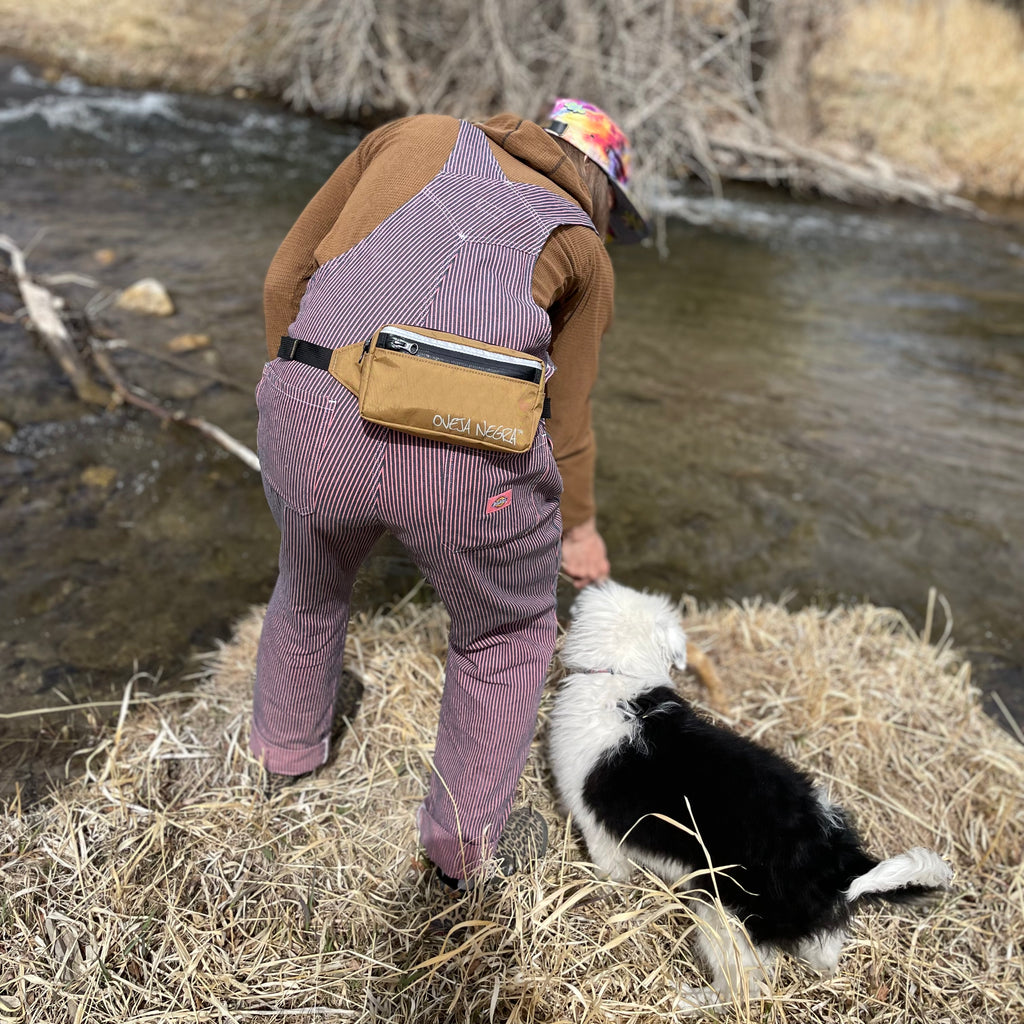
(493, 500)
(291, 439)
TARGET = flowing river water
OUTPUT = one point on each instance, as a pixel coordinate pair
(798, 398)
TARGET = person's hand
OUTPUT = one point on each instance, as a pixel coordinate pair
(584, 557)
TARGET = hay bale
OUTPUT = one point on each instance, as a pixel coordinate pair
(162, 886)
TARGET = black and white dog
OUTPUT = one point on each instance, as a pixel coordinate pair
(628, 753)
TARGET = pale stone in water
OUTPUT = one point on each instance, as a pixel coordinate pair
(146, 296)
(188, 342)
(100, 477)
(104, 257)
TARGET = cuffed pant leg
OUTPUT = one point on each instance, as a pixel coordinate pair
(493, 685)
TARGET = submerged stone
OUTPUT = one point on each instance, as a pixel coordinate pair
(188, 342)
(147, 296)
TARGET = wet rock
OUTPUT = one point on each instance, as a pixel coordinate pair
(147, 296)
(183, 388)
(100, 477)
(188, 342)
(6, 431)
(81, 519)
(104, 257)
(163, 381)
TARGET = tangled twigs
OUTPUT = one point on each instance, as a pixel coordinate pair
(714, 90)
(43, 309)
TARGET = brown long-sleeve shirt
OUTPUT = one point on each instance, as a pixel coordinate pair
(572, 278)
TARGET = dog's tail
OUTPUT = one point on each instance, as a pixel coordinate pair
(902, 879)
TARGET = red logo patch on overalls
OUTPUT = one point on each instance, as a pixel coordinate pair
(499, 501)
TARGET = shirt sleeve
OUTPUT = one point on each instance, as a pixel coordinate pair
(579, 319)
(295, 261)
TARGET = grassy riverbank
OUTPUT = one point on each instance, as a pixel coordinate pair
(163, 886)
(931, 89)
(181, 45)
(937, 87)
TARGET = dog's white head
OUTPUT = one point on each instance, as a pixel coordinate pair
(618, 629)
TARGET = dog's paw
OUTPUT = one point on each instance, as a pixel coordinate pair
(698, 999)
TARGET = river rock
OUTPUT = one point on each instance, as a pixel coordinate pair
(100, 477)
(104, 257)
(146, 296)
(188, 342)
(6, 431)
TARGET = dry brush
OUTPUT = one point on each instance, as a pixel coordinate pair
(711, 88)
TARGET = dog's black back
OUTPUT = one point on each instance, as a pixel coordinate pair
(794, 857)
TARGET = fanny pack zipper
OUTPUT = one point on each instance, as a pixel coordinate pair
(458, 355)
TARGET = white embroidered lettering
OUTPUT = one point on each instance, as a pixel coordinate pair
(496, 432)
(480, 428)
(453, 424)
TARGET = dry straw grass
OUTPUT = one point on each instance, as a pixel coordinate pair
(162, 886)
(136, 43)
(937, 85)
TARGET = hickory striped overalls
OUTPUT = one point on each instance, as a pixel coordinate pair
(483, 527)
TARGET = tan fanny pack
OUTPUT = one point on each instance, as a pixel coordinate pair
(437, 385)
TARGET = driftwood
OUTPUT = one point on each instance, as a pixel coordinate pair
(113, 344)
(804, 168)
(124, 392)
(43, 310)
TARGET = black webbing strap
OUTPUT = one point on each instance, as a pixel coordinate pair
(305, 352)
(320, 357)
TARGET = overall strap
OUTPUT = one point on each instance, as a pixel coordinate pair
(471, 156)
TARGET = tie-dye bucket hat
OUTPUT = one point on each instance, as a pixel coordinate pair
(594, 133)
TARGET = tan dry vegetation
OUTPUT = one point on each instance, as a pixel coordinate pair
(937, 86)
(161, 885)
(176, 44)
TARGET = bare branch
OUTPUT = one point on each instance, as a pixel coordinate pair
(43, 313)
(130, 395)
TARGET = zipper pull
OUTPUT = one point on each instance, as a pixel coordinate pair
(366, 348)
(401, 345)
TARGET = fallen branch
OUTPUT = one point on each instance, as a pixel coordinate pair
(125, 393)
(178, 364)
(752, 152)
(43, 309)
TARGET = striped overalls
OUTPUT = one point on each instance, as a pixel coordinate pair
(483, 527)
